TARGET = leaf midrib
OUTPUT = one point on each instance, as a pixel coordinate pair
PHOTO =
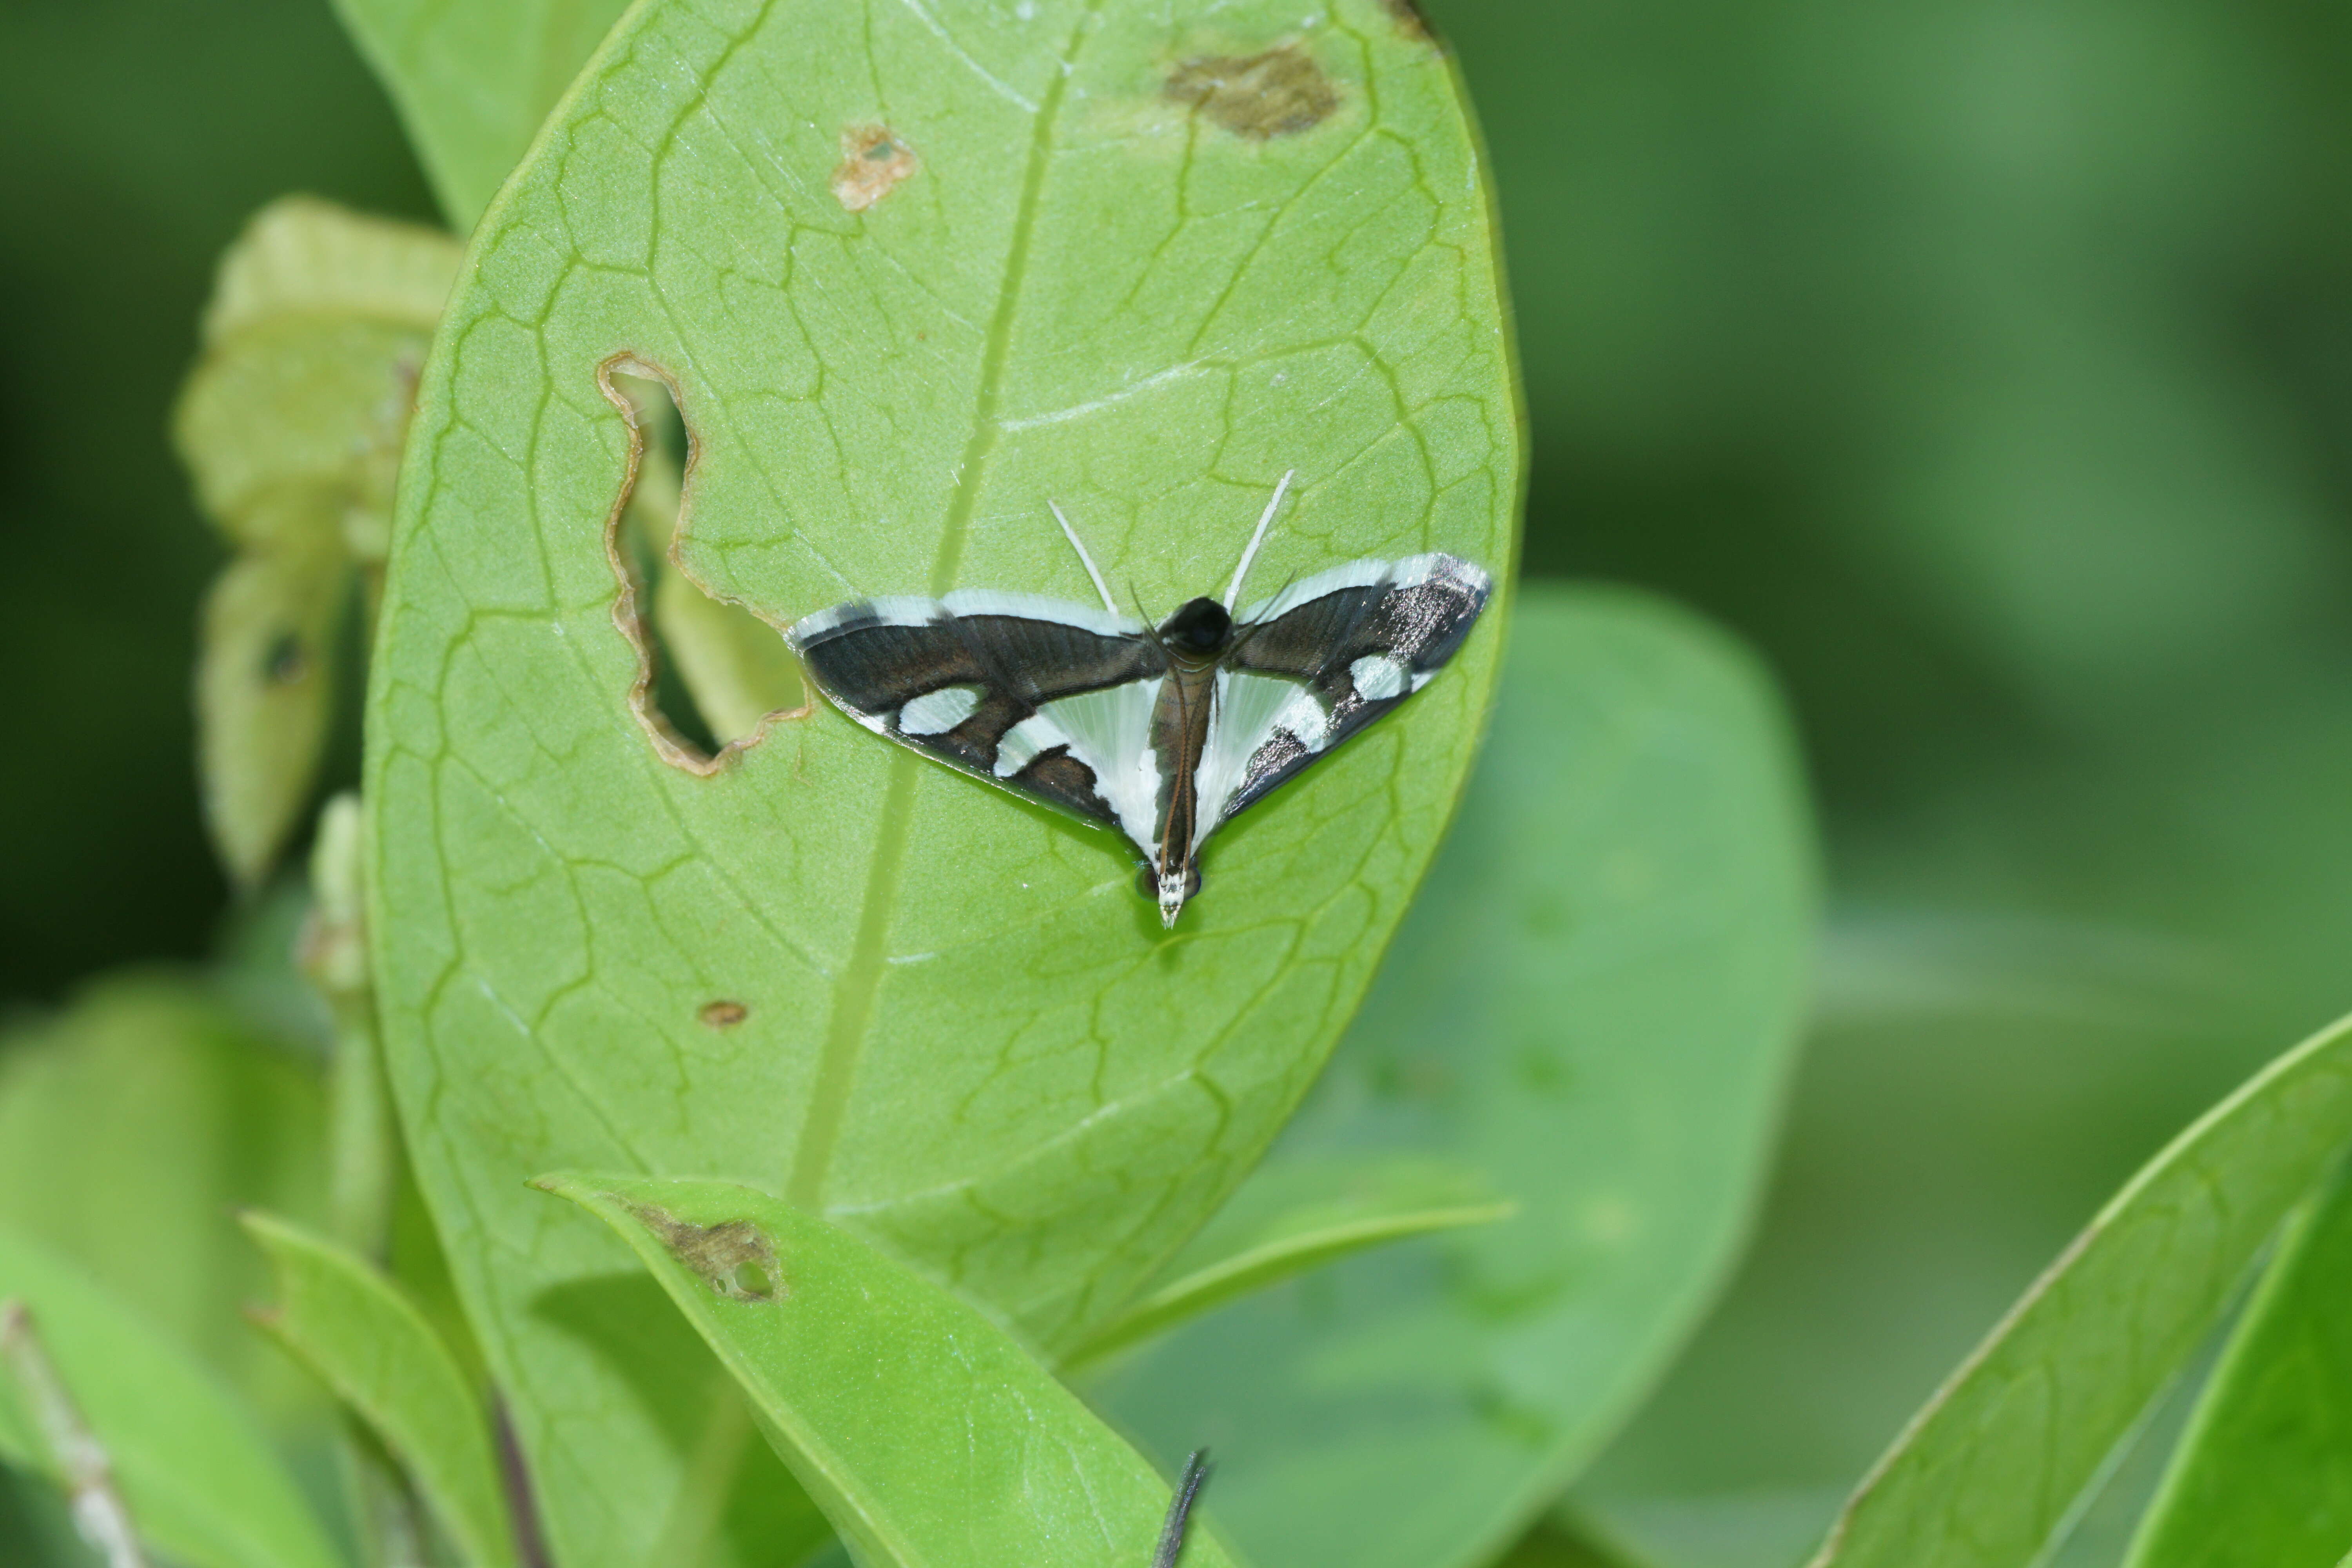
(854, 991)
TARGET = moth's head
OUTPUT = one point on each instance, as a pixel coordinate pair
(1198, 629)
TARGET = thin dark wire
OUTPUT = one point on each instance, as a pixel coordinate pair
(1180, 1508)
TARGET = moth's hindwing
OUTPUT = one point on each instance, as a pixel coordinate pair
(1323, 658)
(1046, 698)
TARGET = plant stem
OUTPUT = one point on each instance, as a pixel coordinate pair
(82, 1463)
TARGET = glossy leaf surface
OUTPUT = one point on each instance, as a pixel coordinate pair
(472, 82)
(1990, 1471)
(2263, 1477)
(929, 1435)
(1112, 268)
(351, 1326)
(133, 1124)
(1301, 1216)
(1592, 1004)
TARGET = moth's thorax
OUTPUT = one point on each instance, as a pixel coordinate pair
(1197, 632)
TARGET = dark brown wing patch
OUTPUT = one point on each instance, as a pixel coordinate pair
(1362, 637)
(954, 676)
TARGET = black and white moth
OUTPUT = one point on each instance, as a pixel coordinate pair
(1166, 732)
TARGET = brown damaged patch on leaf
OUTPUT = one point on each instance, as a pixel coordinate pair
(875, 160)
(1408, 19)
(1280, 92)
(628, 616)
(734, 1257)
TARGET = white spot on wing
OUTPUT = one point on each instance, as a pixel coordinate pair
(937, 713)
(1023, 742)
(1378, 676)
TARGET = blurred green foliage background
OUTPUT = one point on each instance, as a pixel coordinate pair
(1987, 364)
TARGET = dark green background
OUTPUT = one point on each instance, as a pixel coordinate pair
(1989, 364)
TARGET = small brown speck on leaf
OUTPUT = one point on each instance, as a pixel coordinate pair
(1278, 93)
(874, 161)
(723, 1014)
(734, 1258)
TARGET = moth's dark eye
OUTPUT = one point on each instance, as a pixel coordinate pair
(1200, 627)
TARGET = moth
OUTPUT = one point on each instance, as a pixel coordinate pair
(1163, 732)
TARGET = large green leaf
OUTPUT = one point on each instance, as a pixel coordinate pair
(472, 82)
(2263, 1477)
(132, 1125)
(1141, 262)
(199, 1476)
(353, 1327)
(1990, 1472)
(1594, 1000)
(933, 1438)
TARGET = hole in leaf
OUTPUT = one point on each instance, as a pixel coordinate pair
(873, 161)
(712, 673)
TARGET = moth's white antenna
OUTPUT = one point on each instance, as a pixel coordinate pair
(1240, 573)
(1087, 561)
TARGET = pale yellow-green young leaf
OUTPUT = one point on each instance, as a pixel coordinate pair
(265, 694)
(300, 255)
(292, 421)
(292, 427)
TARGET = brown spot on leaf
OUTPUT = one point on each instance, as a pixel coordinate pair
(723, 1014)
(734, 1257)
(1278, 93)
(1408, 18)
(874, 162)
